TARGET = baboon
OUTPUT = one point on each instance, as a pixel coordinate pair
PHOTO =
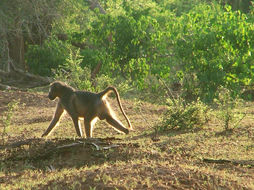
(84, 104)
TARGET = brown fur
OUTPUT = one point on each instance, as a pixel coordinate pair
(84, 104)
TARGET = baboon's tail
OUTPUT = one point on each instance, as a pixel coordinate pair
(106, 92)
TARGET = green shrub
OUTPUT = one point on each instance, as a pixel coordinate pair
(123, 86)
(179, 6)
(226, 109)
(103, 81)
(182, 115)
(50, 55)
(72, 72)
(7, 117)
(125, 42)
(198, 44)
(213, 47)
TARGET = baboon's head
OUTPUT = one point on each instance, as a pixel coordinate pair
(54, 90)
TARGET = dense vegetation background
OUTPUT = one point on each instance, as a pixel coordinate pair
(193, 47)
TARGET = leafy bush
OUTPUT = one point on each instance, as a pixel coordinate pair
(182, 115)
(79, 76)
(125, 41)
(103, 81)
(198, 44)
(7, 117)
(72, 72)
(180, 6)
(214, 47)
(123, 86)
(50, 55)
(226, 112)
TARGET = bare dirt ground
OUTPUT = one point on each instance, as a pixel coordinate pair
(141, 160)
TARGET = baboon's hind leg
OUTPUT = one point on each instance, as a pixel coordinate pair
(116, 124)
(89, 124)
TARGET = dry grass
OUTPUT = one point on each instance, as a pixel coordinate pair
(143, 159)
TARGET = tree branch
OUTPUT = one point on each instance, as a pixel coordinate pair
(249, 163)
(18, 78)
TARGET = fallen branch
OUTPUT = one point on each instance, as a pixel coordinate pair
(221, 161)
(70, 145)
(19, 143)
(110, 146)
(15, 78)
(6, 87)
(249, 163)
(96, 142)
(98, 147)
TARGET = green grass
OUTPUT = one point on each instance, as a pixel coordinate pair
(143, 160)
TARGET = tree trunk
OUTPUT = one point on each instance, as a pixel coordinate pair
(17, 51)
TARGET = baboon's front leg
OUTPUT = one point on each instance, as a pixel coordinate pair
(77, 126)
(59, 111)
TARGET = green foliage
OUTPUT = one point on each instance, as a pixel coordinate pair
(226, 106)
(179, 6)
(72, 72)
(7, 117)
(50, 55)
(199, 44)
(214, 47)
(103, 81)
(138, 69)
(125, 40)
(183, 115)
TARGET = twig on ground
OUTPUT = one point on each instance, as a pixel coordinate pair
(249, 163)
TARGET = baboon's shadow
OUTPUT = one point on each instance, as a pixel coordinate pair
(56, 154)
